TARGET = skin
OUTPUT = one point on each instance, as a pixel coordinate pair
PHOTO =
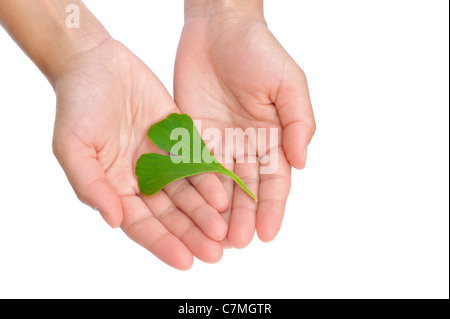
(231, 72)
(106, 101)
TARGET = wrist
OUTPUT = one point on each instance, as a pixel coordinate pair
(226, 9)
(73, 44)
(66, 43)
(43, 30)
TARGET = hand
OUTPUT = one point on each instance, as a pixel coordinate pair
(231, 72)
(107, 99)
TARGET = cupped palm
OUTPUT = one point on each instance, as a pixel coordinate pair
(106, 103)
(232, 73)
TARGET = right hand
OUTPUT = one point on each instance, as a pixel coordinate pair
(231, 72)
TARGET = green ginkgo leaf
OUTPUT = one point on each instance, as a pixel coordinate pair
(189, 156)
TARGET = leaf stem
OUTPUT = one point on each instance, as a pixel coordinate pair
(236, 178)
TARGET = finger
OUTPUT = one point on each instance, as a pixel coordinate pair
(243, 213)
(182, 227)
(188, 200)
(296, 115)
(226, 244)
(273, 193)
(228, 185)
(142, 227)
(212, 190)
(88, 180)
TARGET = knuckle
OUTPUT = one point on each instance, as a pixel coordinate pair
(313, 126)
(302, 75)
(179, 189)
(82, 198)
(60, 147)
(82, 195)
(56, 148)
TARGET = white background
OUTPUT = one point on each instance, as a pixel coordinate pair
(368, 218)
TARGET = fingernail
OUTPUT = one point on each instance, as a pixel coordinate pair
(305, 156)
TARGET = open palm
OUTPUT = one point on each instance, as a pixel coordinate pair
(106, 103)
(232, 73)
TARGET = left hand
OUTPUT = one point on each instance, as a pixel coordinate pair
(106, 101)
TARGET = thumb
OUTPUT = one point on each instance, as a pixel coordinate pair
(296, 115)
(89, 181)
